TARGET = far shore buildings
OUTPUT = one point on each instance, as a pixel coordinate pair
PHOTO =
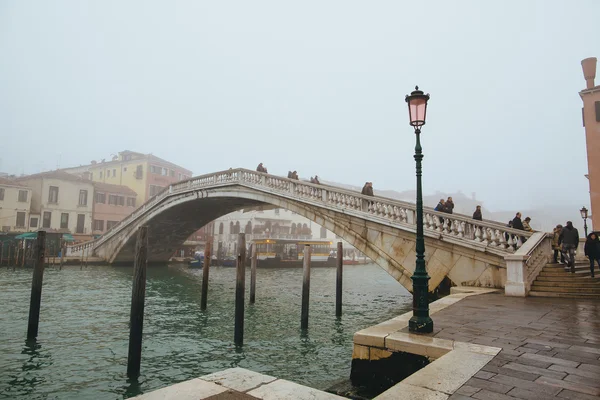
(60, 202)
(145, 174)
(15, 205)
(591, 122)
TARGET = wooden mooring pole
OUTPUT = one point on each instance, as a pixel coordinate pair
(240, 290)
(36, 286)
(253, 275)
(63, 250)
(338, 280)
(138, 296)
(1, 252)
(305, 287)
(205, 272)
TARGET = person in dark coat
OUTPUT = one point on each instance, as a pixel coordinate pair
(592, 250)
(449, 206)
(569, 238)
(261, 168)
(316, 180)
(364, 189)
(369, 191)
(477, 214)
(517, 223)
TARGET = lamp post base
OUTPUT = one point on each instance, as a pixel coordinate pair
(420, 324)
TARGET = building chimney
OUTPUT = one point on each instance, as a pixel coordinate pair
(589, 71)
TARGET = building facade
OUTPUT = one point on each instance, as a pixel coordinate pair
(112, 203)
(60, 202)
(15, 203)
(257, 224)
(591, 122)
(145, 174)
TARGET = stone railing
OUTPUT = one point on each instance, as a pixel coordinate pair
(523, 267)
(488, 235)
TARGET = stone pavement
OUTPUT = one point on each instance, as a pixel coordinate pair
(550, 346)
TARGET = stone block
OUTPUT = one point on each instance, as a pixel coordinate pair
(286, 390)
(449, 372)
(377, 354)
(416, 344)
(373, 336)
(194, 389)
(360, 352)
(403, 391)
(239, 379)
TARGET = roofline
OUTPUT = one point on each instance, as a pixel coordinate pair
(590, 90)
(146, 158)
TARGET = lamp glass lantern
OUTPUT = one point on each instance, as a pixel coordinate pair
(584, 212)
(417, 107)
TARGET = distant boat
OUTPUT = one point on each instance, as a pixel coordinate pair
(198, 261)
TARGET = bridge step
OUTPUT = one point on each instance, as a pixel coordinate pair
(563, 268)
(569, 278)
(544, 289)
(565, 295)
(577, 284)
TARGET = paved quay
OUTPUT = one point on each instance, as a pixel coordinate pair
(550, 346)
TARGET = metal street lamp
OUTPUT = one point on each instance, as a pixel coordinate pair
(420, 321)
(584, 215)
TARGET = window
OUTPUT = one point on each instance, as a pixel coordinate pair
(53, 195)
(114, 172)
(165, 171)
(139, 172)
(127, 157)
(83, 197)
(155, 170)
(221, 228)
(98, 225)
(1, 193)
(5, 228)
(179, 176)
(46, 219)
(172, 173)
(124, 169)
(33, 222)
(323, 233)
(131, 202)
(23, 196)
(116, 200)
(154, 190)
(100, 198)
(64, 221)
(108, 173)
(20, 220)
(91, 176)
(110, 224)
(100, 174)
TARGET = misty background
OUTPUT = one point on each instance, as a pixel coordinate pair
(316, 87)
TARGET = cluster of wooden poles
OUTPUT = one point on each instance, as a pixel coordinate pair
(138, 294)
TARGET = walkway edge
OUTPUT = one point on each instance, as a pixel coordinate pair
(455, 362)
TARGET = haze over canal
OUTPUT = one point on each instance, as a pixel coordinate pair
(82, 344)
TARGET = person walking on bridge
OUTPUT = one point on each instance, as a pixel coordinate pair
(569, 238)
(592, 250)
(556, 244)
(261, 168)
(477, 214)
(449, 206)
(316, 180)
(526, 225)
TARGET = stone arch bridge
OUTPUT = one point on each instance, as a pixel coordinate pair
(468, 252)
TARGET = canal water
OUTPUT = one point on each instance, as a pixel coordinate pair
(81, 352)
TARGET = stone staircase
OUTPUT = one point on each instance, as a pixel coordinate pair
(555, 281)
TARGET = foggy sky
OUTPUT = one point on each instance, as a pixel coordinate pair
(316, 86)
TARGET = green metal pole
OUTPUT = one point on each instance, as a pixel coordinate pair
(420, 321)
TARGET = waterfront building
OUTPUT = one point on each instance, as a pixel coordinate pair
(112, 203)
(15, 202)
(267, 223)
(60, 202)
(145, 174)
(591, 122)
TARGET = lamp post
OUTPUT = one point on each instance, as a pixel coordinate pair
(584, 215)
(420, 321)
